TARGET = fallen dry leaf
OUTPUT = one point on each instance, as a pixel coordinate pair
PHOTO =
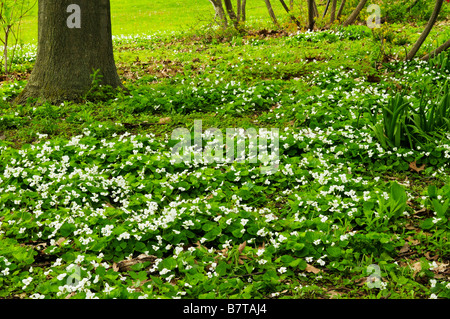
(422, 210)
(108, 204)
(242, 246)
(164, 120)
(334, 294)
(198, 244)
(413, 241)
(427, 254)
(125, 265)
(73, 293)
(361, 281)
(416, 268)
(413, 166)
(60, 241)
(405, 248)
(312, 269)
(441, 267)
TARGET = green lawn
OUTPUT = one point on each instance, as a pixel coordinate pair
(145, 17)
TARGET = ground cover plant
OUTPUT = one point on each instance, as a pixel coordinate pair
(93, 205)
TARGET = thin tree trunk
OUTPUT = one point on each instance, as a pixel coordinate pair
(238, 8)
(291, 5)
(412, 6)
(438, 51)
(351, 19)
(333, 11)
(311, 15)
(290, 15)
(326, 9)
(219, 12)
(243, 5)
(230, 11)
(424, 35)
(69, 52)
(341, 8)
(5, 49)
(271, 13)
(316, 11)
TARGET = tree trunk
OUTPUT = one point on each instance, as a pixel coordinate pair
(326, 9)
(244, 15)
(290, 14)
(316, 11)
(291, 5)
(341, 8)
(333, 11)
(412, 6)
(230, 11)
(351, 19)
(70, 48)
(239, 8)
(5, 48)
(219, 12)
(424, 35)
(271, 13)
(311, 15)
(438, 51)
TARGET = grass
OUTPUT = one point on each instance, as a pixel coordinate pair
(132, 17)
(92, 204)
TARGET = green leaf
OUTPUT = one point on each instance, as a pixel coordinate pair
(299, 263)
(271, 276)
(237, 233)
(98, 245)
(139, 246)
(222, 268)
(368, 206)
(169, 263)
(213, 233)
(208, 226)
(432, 191)
(286, 259)
(67, 229)
(397, 200)
(398, 194)
(334, 251)
(427, 223)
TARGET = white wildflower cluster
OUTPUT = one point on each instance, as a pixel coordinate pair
(128, 190)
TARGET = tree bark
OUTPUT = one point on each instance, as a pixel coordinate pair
(271, 13)
(311, 15)
(351, 19)
(412, 6)
(239, 8)
(333, 11)
(67, 57)
(230, 11)
(5, 48)
(326, 9)
(294, 19)
(341, 8)
(438, 51)
(424, 35)
(219, 12)
(243, 12)
(316, 11)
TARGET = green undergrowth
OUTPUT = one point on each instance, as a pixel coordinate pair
(93, 204)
